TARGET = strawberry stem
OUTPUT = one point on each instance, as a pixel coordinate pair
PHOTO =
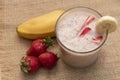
(24, 65)
(48, 41)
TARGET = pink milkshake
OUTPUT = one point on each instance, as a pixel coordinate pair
(76, 35)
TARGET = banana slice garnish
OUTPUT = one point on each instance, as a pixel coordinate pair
(106, 23)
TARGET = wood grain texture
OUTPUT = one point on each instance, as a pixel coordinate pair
(12, 47)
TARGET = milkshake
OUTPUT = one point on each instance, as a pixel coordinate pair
(77, 37)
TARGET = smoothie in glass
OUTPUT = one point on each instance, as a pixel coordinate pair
(76, 35)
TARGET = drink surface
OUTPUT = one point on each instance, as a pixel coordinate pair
(76, 31)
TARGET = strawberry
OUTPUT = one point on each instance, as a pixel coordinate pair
(85, 31)
(48, 60)
(30, 64)
(88, 20)
(97, 39)
(39, 46)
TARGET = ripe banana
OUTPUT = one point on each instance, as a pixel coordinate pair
(106, 23)
(39, 27)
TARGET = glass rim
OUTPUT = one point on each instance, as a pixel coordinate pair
(85, 52)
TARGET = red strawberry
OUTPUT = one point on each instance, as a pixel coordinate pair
(88, 20)
(48, 60)
(39, 46)
(97, 39)
(30, 64)
(85, 31)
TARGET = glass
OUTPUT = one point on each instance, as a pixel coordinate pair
(74, 58)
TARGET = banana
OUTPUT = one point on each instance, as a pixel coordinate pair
(106, 23)
(39, 27)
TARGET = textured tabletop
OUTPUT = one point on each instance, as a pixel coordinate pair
(13, 47)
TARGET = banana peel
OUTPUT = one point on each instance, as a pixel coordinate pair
(39, 27)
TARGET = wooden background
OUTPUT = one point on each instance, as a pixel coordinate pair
(12, 47)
